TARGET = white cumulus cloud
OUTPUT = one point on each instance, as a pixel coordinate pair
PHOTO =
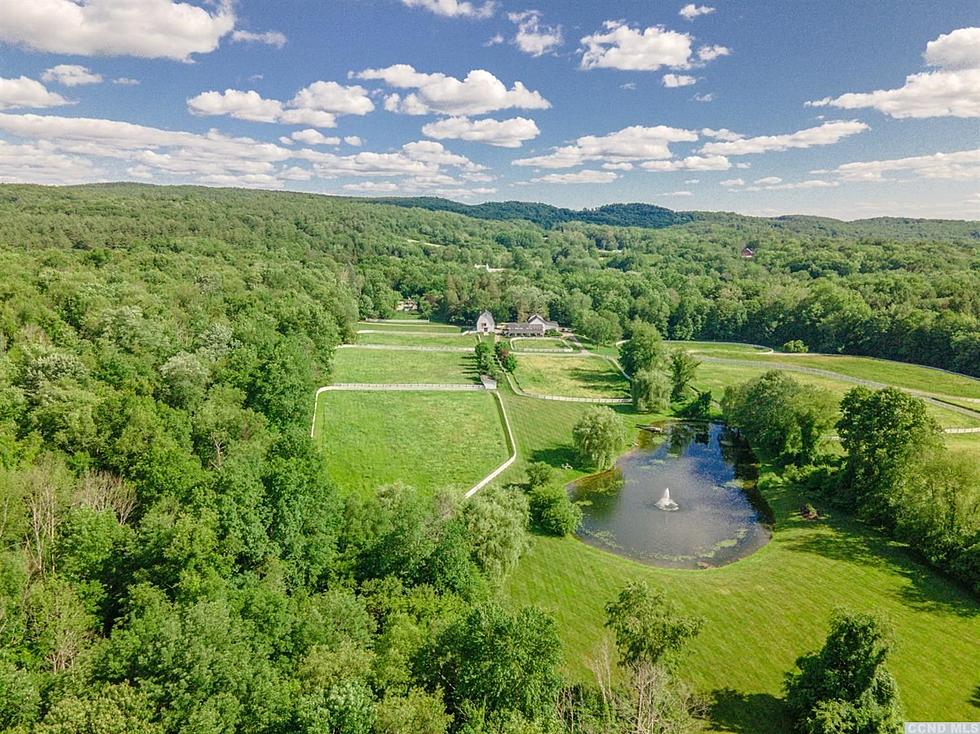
(24, 92)
(692, 11)
(826, 134)
(270, 38)
(962, 165)
(678, 80)
(71, 75)
(579, 177)
(534, 37)
(145, 28)
(317, 105)
(620, 46)
(454, 8)
(635, 143)
(479, 93)
(953, 90)
(502, 133)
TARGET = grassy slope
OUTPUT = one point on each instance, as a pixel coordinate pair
(419, 340)
(523, 345)
(428, 440)
(572, 376)
(407, 325)
(371, 365)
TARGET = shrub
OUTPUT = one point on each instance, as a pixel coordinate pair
(795, 346)
(553, 512)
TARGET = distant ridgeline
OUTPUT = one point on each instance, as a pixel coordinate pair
(651, 216)
(545, 215)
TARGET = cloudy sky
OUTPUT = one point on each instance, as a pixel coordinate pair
(845, 109)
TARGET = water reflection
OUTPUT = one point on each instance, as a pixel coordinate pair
(711, 476)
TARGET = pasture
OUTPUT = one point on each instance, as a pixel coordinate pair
(380, 366)
(427, 339)
(570, 376)
(429, 440)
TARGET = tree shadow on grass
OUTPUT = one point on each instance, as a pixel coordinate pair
(610, 384)
(556, 456)
(747, 713)
(841, 537)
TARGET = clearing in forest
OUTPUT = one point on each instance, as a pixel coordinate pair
(429, 440)
(570, 376)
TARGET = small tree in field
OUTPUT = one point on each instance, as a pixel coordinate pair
(683, 367)
(599, 436)
(651, 391)
(845, 687)
(648, 628)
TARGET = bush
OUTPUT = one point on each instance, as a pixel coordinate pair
(795, 346)
(539, 473)
(553, 512)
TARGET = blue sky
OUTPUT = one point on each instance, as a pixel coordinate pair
(845, 109)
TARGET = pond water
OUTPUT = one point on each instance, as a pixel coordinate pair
(711, 476)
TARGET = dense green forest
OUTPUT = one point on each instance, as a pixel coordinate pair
(173, 557)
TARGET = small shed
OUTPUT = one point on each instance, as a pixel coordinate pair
(485, 323)
(748, 253)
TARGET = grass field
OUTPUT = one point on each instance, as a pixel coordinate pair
(429, 440)
(765, 610)
(545, 342)
(719, 349)
(543, 432)
(418, 340)
(408, 325)
(374, 365)
(574, 376)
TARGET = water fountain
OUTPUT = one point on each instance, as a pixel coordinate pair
(666, 504)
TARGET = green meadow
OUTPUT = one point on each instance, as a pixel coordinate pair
(570, 376)
(429, 440)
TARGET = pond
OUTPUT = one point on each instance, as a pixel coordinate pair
(710, 473)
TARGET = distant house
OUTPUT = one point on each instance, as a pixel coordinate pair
(485, 323)
(748, 253)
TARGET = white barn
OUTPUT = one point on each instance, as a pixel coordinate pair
(485, 323)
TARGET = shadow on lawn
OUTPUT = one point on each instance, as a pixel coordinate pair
(556, 456)
(747, 713)
(841, 537)
(610, 383)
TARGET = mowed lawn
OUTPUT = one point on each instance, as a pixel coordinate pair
(429, 440)
(380, 366)
(408, 325)
(545, 342)
(719, 349)
(571, 376)
(426, 339)
(764, 611)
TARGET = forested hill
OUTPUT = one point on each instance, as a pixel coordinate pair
(894, 288)
(546, 215)
(657, 217)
